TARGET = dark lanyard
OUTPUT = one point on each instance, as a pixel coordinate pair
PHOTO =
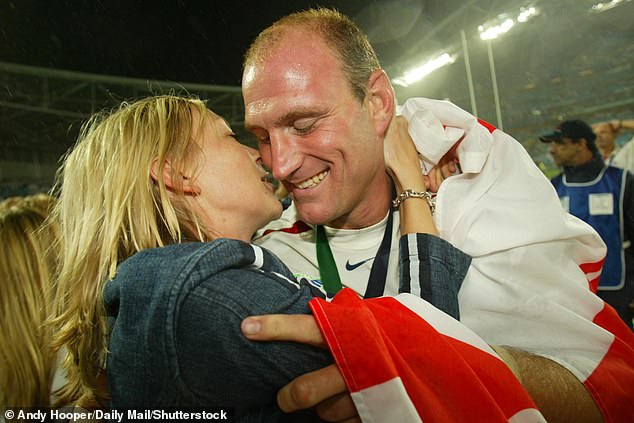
(378, 274)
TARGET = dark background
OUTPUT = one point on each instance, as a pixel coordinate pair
(62, 60)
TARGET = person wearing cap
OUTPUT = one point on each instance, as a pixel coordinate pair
(612, 153)
(601, 195)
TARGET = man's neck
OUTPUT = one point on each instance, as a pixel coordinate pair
(584, 172)
(372, 210)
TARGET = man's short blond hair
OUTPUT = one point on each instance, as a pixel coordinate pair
(343, 36)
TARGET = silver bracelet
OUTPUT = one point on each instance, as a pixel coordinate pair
(410, 193)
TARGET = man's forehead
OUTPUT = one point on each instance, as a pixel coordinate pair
(278, 88)
(291, 58)
(280, 109)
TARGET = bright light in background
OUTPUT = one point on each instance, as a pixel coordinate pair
(489, 33)
(503, 23)
(419, 72)
(526, 13)
(603, 6)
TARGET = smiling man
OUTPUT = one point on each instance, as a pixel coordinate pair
(324, 142)
(320, 139)
(320, 106)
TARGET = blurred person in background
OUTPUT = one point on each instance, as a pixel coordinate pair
(29, 373)
(612, 153)
(603, 196)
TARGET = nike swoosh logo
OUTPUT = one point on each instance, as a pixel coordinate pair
(351, 267)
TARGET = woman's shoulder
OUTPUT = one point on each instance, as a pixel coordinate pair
(220, 253)
(178, 267)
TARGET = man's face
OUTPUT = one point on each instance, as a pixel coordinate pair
(606, 137)
(565, 152)
(315, 136)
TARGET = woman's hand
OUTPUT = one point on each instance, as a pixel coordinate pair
(446, 167)
(401, 158)
(403, 164)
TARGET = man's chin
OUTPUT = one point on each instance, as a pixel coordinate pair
(313, 214)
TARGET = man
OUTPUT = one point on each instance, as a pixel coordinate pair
(603, 196)
(612, 153)
(320, 105)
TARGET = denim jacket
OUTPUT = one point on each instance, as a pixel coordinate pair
(175, 313)
(175, 339)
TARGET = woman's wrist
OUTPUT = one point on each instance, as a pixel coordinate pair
(414, 194)
(414, 180)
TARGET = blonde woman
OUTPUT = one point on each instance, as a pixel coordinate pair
(27, 269)
(164, 323)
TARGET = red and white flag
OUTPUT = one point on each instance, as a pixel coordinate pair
(405, 361)
(534, 265)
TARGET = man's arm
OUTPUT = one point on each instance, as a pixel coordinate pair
(621, 124)
(558, 394)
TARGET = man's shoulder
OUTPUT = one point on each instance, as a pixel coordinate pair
(616, 171)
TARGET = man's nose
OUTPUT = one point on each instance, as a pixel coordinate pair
(285, 155)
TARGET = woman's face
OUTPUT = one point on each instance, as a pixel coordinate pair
(234, 197)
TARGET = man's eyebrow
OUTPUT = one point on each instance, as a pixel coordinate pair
(291, 117)
(298, 114)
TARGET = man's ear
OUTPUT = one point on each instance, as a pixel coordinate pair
(168, 177)
(381, 100)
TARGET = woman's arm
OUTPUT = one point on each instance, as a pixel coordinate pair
(402, 163)
(175, 339)
(219, 365)
(429, 265)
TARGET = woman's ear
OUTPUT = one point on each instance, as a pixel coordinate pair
(168, 175)
(381, 100)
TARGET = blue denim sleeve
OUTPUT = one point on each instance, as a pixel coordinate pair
(434, 269)
(218, 365)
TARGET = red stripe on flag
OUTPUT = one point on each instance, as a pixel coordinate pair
(592, 267)
(594, 284)
(487, 125)
(612, 382)
(377, 340)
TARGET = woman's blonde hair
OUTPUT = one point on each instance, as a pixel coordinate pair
(27, 271)
(110, 208)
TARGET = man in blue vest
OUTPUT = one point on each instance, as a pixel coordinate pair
(603, 196)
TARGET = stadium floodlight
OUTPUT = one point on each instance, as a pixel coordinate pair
(494, 31)
(526, 13)
(603, 6)
(503, 23)
(419, 72)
